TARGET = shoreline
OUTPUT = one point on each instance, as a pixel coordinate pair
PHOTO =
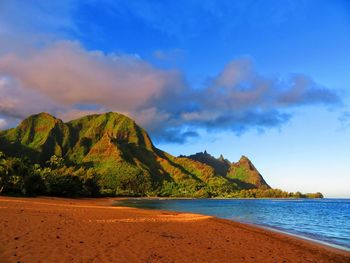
(306, 238)
(298, 236)
(267, 227)
(138, 235)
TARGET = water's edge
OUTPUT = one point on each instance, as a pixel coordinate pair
(317, 241)
(303, 236)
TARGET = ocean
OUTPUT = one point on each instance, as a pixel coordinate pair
(323, 220)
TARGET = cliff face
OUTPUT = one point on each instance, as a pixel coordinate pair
(115, 146)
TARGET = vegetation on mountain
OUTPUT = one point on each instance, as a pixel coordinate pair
(242, 174)
(110, 155)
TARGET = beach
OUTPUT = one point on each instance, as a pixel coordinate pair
(91, 230)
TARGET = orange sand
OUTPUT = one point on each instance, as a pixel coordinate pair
(88, 230)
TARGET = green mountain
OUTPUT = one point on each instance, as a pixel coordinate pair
(124, 159)
(243, 172)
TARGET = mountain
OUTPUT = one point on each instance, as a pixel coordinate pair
(243, 172)
(123, 157)
(220, 165)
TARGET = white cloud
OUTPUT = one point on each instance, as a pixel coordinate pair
(18, 102)
(68, 74)
(60, 77)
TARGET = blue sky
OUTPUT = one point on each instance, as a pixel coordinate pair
(267, 79)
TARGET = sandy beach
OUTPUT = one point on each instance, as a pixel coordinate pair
(90, 230)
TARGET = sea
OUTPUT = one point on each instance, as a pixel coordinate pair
(326, 221)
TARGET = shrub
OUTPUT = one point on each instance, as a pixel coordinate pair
(64, 185)
(33, 184)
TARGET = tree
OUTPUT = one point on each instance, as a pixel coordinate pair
(33, 182)
(12, 171)
(3, 171)
(55, 162)
(61, 182)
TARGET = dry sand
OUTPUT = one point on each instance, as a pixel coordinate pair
(89, 230)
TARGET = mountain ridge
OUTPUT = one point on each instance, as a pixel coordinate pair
(116, 147)
(243, 170)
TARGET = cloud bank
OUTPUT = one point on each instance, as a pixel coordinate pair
(69, 81)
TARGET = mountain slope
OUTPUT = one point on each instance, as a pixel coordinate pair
(220, 165)
(243, 173)
(123, 156)
(37, 137)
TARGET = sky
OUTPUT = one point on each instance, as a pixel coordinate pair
(268, 79)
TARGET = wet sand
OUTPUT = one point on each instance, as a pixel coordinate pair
(90, 230)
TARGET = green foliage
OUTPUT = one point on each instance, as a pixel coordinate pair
(239, 173)
(189, 188)
(221, 165)
(12, 172)
(220, 187)
(126, 180)
(55, 162)
(91, 186)
(198, 170)
(62, 183)
(33, 184)
(20, 177)
(70, 181)
(271, 193)
(314, 195)
(169, 189)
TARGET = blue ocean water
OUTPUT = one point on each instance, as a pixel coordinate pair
(325, 220)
